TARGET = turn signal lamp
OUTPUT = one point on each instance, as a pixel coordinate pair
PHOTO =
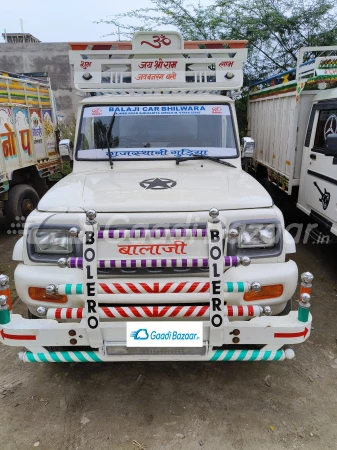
(266, 293)
(39, 294)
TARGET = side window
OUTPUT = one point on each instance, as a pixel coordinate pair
(327, 124)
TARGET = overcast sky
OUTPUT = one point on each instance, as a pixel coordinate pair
(66, 20)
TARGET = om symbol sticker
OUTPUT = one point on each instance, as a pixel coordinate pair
(158, 41)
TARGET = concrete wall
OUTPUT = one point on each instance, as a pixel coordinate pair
(44, 57)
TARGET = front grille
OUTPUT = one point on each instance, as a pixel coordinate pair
(145, 272)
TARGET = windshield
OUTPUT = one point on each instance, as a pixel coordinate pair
(157, 132)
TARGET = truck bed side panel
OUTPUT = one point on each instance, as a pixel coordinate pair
(306, 99)
(273, 126)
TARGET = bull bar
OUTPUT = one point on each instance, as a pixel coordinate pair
(99, 332)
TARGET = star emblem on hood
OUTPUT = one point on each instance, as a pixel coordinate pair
(158, 183)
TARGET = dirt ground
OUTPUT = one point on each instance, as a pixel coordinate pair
(171, 406)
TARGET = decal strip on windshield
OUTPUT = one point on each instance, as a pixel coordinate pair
(125, 110)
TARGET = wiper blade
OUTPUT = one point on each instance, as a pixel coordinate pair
(210, 158)
(108, 132)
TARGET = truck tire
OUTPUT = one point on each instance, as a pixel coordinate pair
(286, 310)
(22, 200)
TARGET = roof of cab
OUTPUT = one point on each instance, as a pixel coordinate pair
(160, 98)
(326, 94)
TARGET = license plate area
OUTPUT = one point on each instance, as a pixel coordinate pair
(119, 349)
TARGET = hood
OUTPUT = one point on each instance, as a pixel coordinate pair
(187, 187)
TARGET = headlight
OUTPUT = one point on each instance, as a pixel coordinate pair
(257, 235)
(49, 240)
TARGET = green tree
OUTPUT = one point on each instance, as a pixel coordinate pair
(275, 29)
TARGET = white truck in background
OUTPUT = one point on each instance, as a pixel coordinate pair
(293, 121)
(28, 145)
(158, 246)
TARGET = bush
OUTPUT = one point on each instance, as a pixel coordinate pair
(67, 128)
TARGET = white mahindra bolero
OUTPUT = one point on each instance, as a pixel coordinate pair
(158, 246)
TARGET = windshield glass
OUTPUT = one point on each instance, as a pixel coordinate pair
(157, 131)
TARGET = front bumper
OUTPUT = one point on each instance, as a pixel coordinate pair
(94, 326)
(268, 334)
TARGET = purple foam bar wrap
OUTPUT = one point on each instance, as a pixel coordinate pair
(154, 233)
(75, 263)
(229, 261)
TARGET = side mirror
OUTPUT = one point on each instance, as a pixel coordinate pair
(331, 145)
(248, 146)
(66, 150)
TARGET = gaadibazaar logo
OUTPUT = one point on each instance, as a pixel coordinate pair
(164, 334)
(142, 334)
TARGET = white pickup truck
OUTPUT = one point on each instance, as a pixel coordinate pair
(293, 120)
(158, 246)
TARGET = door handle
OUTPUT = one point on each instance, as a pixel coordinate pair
(312, 156)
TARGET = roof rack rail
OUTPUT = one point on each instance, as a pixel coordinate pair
(29, 77)
(159, 61)
(323, 62)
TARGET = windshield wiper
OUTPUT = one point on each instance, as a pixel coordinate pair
(108, 133)
(210, 158)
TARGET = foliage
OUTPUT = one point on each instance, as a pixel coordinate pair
(67, 128)
(275, 29)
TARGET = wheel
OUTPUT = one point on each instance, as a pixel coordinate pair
(22, 200)
(286, 310)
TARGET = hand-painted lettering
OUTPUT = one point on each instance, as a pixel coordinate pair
(216, 287)
(216, 304)
(216, 274)
(215, 252)
(89, 254)
(215, 235)
(93, 322)
(158, 41)
(89, 237)
(89, 276)
(91, 306)
(91, 289)
(216, 320)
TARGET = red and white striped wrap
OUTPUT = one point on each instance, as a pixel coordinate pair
(183, 287)
(153, 288)
(135, 312)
